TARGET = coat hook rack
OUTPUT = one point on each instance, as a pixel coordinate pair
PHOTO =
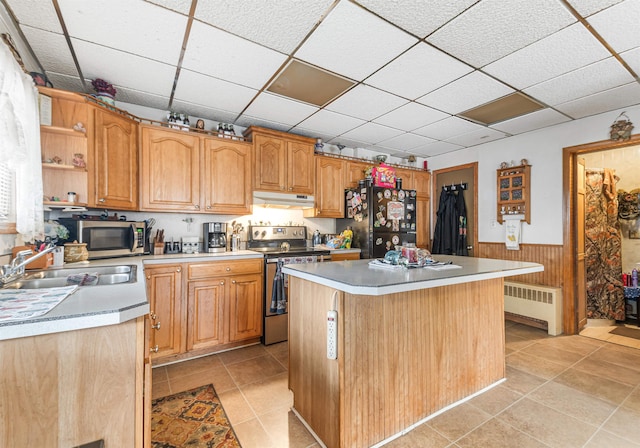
(455, 187)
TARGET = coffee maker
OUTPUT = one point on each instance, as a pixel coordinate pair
(215, 236)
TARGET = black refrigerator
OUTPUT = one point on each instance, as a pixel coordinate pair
(381, 218)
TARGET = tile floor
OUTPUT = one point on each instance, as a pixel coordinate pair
(565, 391)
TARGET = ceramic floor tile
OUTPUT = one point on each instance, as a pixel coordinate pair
(620, 355)
(497, 434)
(254, 369)
(527, 332)
(187, 382)
(516, 343)
(495, 400)
(624, 424)
(251, 434)
(218, 376)
(458, 421)
(285, 429)
(603, 388)
(192, 366)
(534, 365)
(605, 369)
(160, 389)
(633, 401)
(603, 439)
(159, 374)
(423, 436)
(242, 354)
(236, 406)
(269, 394)
(521, 382)
(582, 346)
(583, 406)
(280, 352)
(546, 424)
(554, 354)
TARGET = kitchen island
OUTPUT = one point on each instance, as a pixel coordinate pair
(410, 343)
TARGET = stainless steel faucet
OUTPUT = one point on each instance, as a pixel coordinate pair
(15, 270)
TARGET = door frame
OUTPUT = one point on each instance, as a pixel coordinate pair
(570, 156)
(434, 205)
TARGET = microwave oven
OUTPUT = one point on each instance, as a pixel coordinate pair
(106, 239)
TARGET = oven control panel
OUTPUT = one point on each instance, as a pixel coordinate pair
(275, 233)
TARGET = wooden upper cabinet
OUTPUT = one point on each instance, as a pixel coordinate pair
(170, 170)
(67, 108)
(115, 161)
(283, 162)
(226, 174)
(422, 183)
(329, 197)
(355, 173)
(407, 178)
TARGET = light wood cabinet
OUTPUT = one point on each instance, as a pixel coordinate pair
(205, 313)
(514, 192)
(422, 183)
(355, 173)
(337, 256)
(423, 222)
(115, 161)
(283, 162)
(170, 170)
(329, 197)
(245, 307)
(226, 174)
(164, 292)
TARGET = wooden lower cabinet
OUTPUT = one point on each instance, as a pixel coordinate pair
(348, 256)
(221, 307)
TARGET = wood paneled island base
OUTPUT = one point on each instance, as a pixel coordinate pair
(402, 357)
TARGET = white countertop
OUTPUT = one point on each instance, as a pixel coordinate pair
(94, 306)
(357, 277)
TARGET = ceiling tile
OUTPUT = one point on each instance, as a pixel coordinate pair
(618, 25)
(588, 80)
(126, 95)
(52, 51)
(348, 142)
(139, 28)
(281, 110)
(199, 111)
(141, 74)
(588, 7)
(414, 16)
(492, 29)
(212, 92)
(447, 128)
(465, 93)
(535, 120)
(411, 116)
(612, 99)
(365, 102)
(562, 52)
(280, 25)
(181, 6)
(478, 137)
(37, 14)
(353, 42)
(371, 133)
(65, 82)
(632, 57)
(247, 121)
(406, 142)
(437, 148)
(419, 71)
(329, 123)
(248, 63)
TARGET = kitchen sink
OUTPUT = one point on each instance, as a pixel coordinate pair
(50, 278)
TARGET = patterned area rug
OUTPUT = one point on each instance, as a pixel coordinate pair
(193, 419)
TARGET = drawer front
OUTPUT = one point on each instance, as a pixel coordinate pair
(229, 267)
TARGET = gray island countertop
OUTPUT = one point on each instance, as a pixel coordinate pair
(358, 277)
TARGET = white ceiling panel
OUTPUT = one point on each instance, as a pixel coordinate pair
(434, 149)
(181, 6)
(465, 93)
(37, 14)
(212, 92)
(419, 71)
(348, 142)
(562, 52)
(52, 50)
(447, 128)
(406, 142)
(329, 123)
(135, 27)
(353, 42)
(371, 133)
(587, 7)
(535, 120)
(411, 116)
(280, 25)
(478, 137)
(246, 121)
(196, 110)
(632, 57)
(586, 81)
(616, 98)
(141, 74)
(619, 25)
(65, 82)
(414, 16)
(365, 102)
(492, 29)
(281, 110)
(145, 99)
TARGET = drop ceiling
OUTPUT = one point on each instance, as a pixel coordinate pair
(411, 68)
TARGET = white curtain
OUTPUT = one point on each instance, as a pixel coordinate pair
(20, 143)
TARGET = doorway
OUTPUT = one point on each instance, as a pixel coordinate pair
(574, 306)
(456, 175)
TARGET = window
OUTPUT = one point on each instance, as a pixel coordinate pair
(7, 214)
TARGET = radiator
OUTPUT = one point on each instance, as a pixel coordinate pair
(535, 301)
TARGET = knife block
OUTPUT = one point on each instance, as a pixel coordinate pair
(41, 263)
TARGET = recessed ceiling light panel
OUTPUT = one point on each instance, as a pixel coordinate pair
(504, 108)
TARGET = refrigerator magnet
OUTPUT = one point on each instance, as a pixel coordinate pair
(401, 195)
(387, 194)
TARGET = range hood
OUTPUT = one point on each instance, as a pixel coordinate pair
(282, 200)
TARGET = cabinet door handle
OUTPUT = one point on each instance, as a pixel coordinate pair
(148, 277)
(179, 270)
(197, 207)
(156, 326)
(101, 200)
(222, 283)
(154, 349)
(228, 269)
(208, 207)
(233, 281)
(152, 315)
